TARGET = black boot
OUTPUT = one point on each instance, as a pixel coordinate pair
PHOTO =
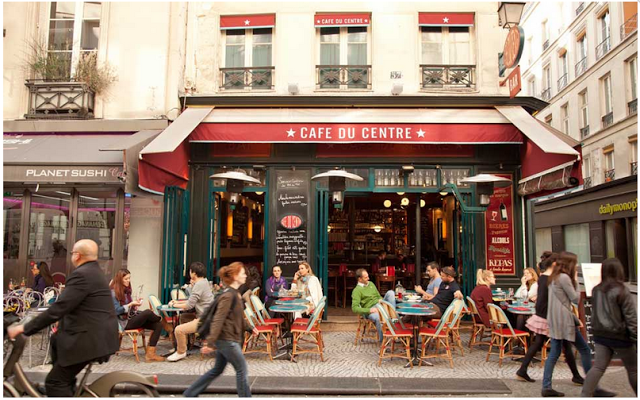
(551, 393)
(523, 376)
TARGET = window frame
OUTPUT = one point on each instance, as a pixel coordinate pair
(633, 148)
(587, 166)
(248, 47)
(564, 113)
(531, 86)
(343, 42)
(445, 45)
(632, 68)
(607, 94)
(584, 108)
(609, 158)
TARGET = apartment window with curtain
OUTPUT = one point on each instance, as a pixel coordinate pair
(632, 105)
(563, 70)
(546, 82)
(248, 52)
(609, 164)
(607, 101)
(604, 33)
(586, 168)
(581, 54)
(545, 34)
(564, 112)
(532, 86)
(74, 33)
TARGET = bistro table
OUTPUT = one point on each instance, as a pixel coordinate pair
(416, 310)
(521, 310)
(175, 318)
(292, 302)
(287, 310)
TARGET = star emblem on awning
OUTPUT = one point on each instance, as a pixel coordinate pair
(445, 20)
(291, 132)
(247, 22)
(421, 133)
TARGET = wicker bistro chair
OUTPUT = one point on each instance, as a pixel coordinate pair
(395, 318)
(167, 321)
(312, 330)
(252, 344)
(132, 334)
(393, 335)
(178, 294)
(256, 292)
(265, 318)
(503, 335)
(366, 330)
(477, 328)
(440, 334)
(305, 321)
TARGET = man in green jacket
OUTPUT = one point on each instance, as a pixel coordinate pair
(365, 296)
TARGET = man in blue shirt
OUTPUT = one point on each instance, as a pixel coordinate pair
(433, 269)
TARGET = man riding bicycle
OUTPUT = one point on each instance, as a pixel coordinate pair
(88, 329)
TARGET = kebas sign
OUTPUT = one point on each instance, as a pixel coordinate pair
(499, 231)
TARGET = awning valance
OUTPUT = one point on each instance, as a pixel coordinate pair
(247, 21)
(445, 19)
(342, 19)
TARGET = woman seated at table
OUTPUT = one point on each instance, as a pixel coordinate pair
(304, 280)
(481, 295)
(273, 286)
(528, 291)
(41, 277)
(129, 317)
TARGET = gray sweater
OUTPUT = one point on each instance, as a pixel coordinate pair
(562, 324)
(201, 296)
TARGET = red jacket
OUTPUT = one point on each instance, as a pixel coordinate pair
(482, 296)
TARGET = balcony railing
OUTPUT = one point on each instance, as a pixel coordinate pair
(563, 81)
(634, 168)
(581, 66)
(546, 94)
(545, 45)
(435, 76)
(579, 9)
(633, 106)
(343, 76)
(603, 48)
(586, 184)
(584, 132)
(607, 120)
(629, 26)
(247, 78)
(59, 100)
(609, 175)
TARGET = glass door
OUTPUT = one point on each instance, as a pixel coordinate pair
(174, 240)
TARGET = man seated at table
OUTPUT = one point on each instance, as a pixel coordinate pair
(365, 296)
(449, 289)
(379, 262)
(200, 298)
(433, 269)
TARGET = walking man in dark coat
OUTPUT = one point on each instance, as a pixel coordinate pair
(88, 329)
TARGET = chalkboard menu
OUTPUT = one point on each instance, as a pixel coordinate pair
(291, 219)
(586, 318)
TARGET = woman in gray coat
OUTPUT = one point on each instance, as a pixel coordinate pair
(563, 324)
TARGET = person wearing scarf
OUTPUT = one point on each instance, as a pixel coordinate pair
(273, 286)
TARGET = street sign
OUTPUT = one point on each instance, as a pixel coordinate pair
(515, 82)
(513, 46)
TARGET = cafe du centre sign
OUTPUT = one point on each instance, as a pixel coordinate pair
(511, 54)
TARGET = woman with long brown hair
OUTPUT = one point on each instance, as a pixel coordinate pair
(42, 278)
(563, 324)
(128, 315)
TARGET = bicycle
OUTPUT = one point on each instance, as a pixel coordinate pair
(16, 384)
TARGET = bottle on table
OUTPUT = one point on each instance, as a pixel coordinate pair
(11, 284)
(23, 283)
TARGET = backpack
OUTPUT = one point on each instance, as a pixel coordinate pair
(204, 324)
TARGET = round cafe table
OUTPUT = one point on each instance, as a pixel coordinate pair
(287, 311)
(288, 294)
(522, 310)
(416, 310)
(297, 302)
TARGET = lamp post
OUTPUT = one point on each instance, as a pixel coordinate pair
(509, 13)
(484, 186)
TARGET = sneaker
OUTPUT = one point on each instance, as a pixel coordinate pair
(599, 392)
(551, 393)
(523, 376)
(177, 356)
(577, 380)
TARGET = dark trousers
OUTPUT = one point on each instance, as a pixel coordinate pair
(536, 346)
(629, 357)
(61, 381)
(147, 320)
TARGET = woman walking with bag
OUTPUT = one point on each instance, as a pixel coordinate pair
(615, 326)
(563, 324)
(227, 331)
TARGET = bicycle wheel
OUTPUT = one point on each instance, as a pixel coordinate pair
(129, 389)
(8, 390)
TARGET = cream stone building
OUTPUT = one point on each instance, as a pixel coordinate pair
(582, 58)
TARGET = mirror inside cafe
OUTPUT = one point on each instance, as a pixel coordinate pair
(377, 231)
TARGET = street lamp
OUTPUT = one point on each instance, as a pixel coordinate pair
(485, 183)
(509, 13)
(235, 183)
(337, 183)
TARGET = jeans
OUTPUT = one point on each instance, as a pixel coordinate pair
(227, 351)
(603, 358)
(537, 344)
(389, 297)
(554, 354)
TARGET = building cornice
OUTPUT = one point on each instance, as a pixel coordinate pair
(83, 126)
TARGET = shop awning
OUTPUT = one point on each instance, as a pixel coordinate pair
(178, 131)
(342, 19)
(445, 19)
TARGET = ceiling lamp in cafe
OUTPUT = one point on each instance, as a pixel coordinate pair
(387, 203)
(235, 184)
(337, 183)
(404, 201)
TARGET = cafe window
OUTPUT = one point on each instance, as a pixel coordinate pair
(258, 41)
(543, 241)
(12, 218)
(423, 178)
(390, 177)
(49, 230)
(576, 240)
(446, 45)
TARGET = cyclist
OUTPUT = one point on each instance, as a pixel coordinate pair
(88, 328)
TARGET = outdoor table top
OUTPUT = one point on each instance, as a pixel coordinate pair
(524, 310)
(166, 307)
(292, 302)
(288, 294)
(417, 311)
(414, 304)
(287, 308)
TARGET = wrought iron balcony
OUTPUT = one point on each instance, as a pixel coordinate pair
(581, 66)
(580, 8)
(435, 76)
(247, 78)
(546, 94)
(584, 132)
(633, 106)
(603, 48)
(545, 45)
(609, 175)
(343, 76)
(586, 184)
(563, 81)
(607, 120)
(629, 26)
(634, 168)
(59, 100)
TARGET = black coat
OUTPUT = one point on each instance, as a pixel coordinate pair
(614, 313)
(88, 328)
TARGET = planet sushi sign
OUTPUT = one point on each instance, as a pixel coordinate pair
(291, 221)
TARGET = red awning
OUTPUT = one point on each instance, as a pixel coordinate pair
(338, 133)
(247, 21)
(342, 19)
(445, 19)
(158, 170)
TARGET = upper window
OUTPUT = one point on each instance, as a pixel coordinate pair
(605, 42)
(607, 94)
(584, 109)
(248, 51)
(581, 54)
(74, 32)
(446, 45)
(633, 77)
(564, 111)
(546, 82)
(545, 34)
(563, 72)
(532, 86)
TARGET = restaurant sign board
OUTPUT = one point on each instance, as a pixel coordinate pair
(513, 47)
(500, 231)
(63, 174)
